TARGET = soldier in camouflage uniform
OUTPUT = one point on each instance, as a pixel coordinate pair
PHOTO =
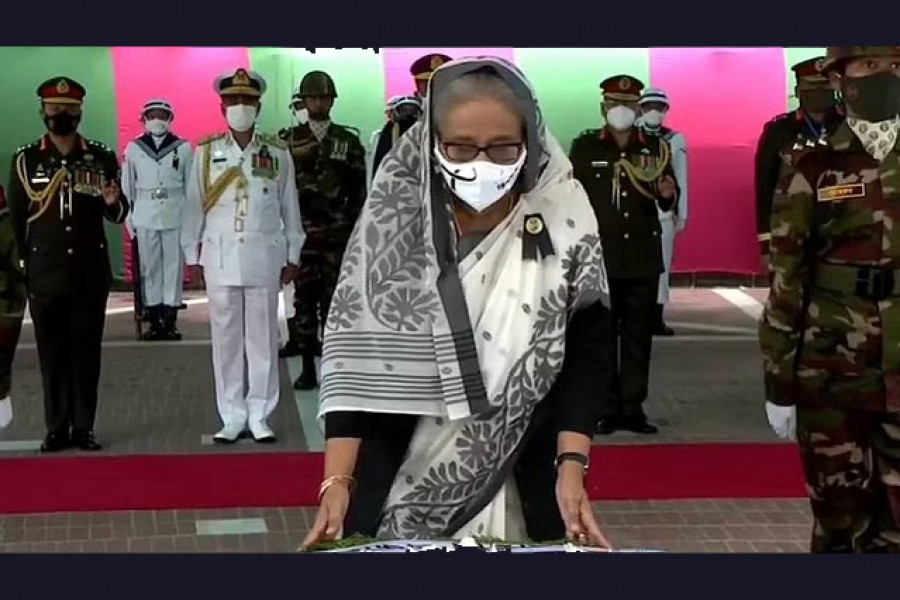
(12, 307)
(330, 165)
(830, 331)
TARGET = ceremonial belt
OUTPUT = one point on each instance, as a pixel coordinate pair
(871, 283)
(212, 192)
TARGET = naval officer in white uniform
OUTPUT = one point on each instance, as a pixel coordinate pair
(654, 104)
(242, 234)
(154, 178)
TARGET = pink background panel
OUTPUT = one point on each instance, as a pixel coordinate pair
(184, 77)
(397, 61)
(721, 98)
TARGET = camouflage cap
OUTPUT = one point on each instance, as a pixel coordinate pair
(838, 55)
(317, 83)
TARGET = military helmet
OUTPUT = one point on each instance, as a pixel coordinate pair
(317, 83)
(838, 55)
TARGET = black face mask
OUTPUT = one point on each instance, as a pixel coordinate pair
(406, 114)
(873, 97)
(62, 123)
(817, 100)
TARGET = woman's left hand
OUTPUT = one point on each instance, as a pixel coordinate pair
(575, 507)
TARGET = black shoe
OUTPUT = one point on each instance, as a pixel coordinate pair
(154, 334)
(663, 330)
(639, 425)
(84, 440)
(290, 349)
(306, 381)
(56, 442)
(608, 425)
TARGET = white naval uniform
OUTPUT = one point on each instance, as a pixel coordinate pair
(242, 266)
(672, 224)
(154, 179)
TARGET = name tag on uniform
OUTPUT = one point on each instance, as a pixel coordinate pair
(43, 179)
(599, 164)
(837, 193)
(220, 159)
(159, 194)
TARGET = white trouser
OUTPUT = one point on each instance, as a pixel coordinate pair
(667, 239)
(162, 266)
(244, 325)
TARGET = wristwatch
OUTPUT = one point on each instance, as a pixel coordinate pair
(581, 459)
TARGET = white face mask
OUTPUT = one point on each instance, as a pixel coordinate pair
(620, 117)
(157, 127)
(240, 117)
(480, 184)
(301, 116)
(652, 118)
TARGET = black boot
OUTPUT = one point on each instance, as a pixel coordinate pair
(170, 318)
(56, 442)
(661, 329)
(307, 380)
(155, 318)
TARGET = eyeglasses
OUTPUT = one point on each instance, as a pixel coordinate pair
(503, 154)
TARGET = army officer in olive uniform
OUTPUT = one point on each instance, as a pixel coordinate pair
(61, 189)
(627, 175)
(819, 114)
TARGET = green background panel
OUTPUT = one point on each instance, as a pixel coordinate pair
(567, 82)
(791, 57)
(28, 68)
(357, 73)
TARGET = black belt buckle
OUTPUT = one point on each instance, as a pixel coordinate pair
(875, 284)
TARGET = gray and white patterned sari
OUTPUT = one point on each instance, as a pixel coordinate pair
(470, 345)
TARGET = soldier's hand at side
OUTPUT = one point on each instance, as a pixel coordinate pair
(783, 420)
(111, 192)
(667, 187)
(196, 273)
(289, 273)
(6, 412)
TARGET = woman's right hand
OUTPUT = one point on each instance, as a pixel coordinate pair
(330, 518)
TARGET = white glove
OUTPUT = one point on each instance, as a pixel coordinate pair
(129, 228)
(783, 420)
(6, 413)
(680, 224)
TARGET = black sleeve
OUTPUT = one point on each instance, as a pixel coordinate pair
(382, 148)
(18, 202)
(580, 391)
(667, 204)
(767, 168)
(118, 211)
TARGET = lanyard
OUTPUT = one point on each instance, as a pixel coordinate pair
(816, 131)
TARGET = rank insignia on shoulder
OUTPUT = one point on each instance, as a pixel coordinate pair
(211, 138)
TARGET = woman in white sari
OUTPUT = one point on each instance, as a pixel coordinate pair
(465, 354)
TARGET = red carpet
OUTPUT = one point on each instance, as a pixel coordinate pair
(658, 472)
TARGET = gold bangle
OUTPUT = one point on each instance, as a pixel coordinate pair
(347, 479)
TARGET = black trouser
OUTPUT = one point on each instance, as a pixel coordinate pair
(69, 333)
(633, 319)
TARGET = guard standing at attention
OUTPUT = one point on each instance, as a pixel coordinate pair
(242, 235)
(154, 178)
(12, 308)
(62, 187)
(654, 109)
(421, 70)
(330, 166)
(830, 330)
(628, 177)
(819, 114)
